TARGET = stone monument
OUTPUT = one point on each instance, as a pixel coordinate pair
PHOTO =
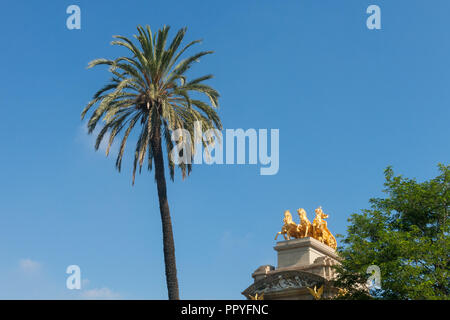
(305, 264)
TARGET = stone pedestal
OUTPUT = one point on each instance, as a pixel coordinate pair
(302, 252)
(302, 263)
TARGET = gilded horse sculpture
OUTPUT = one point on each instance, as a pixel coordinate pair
(289, 229)
(305, 227)
(318, 229)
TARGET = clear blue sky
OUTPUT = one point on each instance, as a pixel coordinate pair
(348, 102)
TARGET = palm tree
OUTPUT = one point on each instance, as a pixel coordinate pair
(149, 89)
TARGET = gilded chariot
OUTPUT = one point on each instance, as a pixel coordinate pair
(317, 229)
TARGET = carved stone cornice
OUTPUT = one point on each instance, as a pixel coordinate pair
(278, 282)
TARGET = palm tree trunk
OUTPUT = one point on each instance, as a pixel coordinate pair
(168, 242)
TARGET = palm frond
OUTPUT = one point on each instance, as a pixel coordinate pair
(150, 92)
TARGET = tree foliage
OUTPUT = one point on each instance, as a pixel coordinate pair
(405, 234)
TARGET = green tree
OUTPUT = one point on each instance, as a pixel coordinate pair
(149, 92)
(406, 235)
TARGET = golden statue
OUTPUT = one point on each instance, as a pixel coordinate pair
(318, 229)
(257, 297)
(289, 228)
(317, 294)
(305, 227)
